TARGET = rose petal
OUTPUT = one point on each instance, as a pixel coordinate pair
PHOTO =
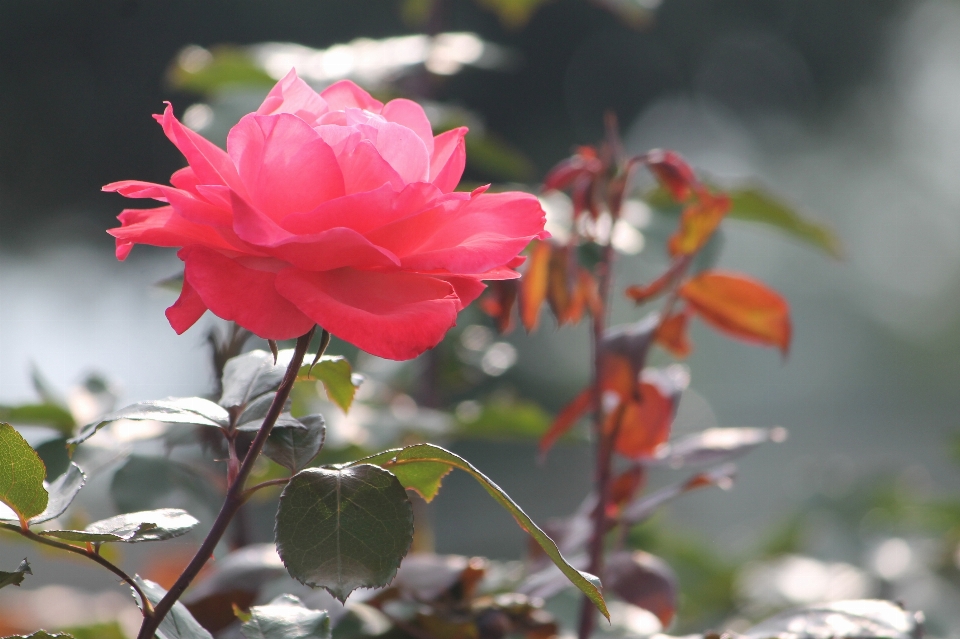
(364, 169)
(208, 161)
(365, 212)
(448, 159)
(345, 94)
(185, 179)
(465, 237)
(391, 315)
(467, 288)
(285, 165)
(411, 115)
(293, 95)
(185, 203)
(186, 310)
(244, 295)
(162, 227)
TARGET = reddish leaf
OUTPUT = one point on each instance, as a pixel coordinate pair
(673, 173)
(740, 307)
(672, 334)
(566, 419)
(559, 285)
(643, 580)
(644, 424)
(698, 222)
(498, 302)
(641, 293)
(533, 285)
(618, 377)
(584, 163)
(624, 487)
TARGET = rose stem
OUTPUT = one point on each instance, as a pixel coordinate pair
(235, 494)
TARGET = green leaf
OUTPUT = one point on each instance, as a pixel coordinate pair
(286, 618)
(148, 525)
(175, 410)
(21, 475)
(150, 481)
(752, 204)
(250, 375)
(45, 414)
(294, 448)
(208, 72)
(344, 528)
(513, 13)
(258, 408)
(505, 419)
(43, 634)
(497, 159)
(110, 630)
(61, 492)
(179, 623)
(16, 577)
(336, 374)
(422, 477)
(428, 453)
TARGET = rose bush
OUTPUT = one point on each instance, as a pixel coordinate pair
(330, 209)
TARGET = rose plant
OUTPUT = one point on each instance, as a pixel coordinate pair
(334, 210)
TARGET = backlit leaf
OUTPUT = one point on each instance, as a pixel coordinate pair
(252, 374)
(533, 284)
(61, 492)
(179, 623)
(698, 222)
(16, 577)
(756, 205)
(42, 634)
(566, 418)
(294, 448)
(717, 445)
(149, 525)
(672, 335)
(420, 453)
(21, 475)
(286, 618)
(336, 374)
(644, 580)
(740, 307)
(644, 422)
(864, 618)
(424, 478)
(344, 528)
(673, 172)
(513, 13)
(175, 410)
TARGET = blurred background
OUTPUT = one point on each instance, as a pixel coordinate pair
(845, 112)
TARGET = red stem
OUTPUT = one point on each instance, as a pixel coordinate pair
(235, 495)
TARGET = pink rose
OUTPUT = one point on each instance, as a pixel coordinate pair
(330, 209)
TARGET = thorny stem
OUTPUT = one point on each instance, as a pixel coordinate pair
(235, 494)
(91, 553)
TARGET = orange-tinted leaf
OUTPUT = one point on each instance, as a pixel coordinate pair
(672, 334)
(624, 487)
(645, 423)
(587, 294)
(698, 222)
(533, 284)
(498, 301)
(673, 173)
(566, 419)
(740, 307)
(559, 293)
